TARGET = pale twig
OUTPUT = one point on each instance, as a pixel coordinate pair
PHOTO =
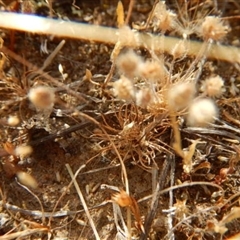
(83, 202)
(39, 214)
(113, 188)
(130, 9)
(61, 28)
(49, 59)
(24, 233)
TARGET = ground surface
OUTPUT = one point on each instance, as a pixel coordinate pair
(197, 211)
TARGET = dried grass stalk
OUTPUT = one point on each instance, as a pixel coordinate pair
(83, 202)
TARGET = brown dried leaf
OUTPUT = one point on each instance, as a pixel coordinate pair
(135, 210)
(9, 148)
(202, 165)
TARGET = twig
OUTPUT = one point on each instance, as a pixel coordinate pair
(154, 177)
(49, 59)
(41, 25)
(39, 214)
(24, 233)
(129, 12)
(83, 201)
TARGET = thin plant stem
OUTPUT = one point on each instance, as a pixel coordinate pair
(83, 202)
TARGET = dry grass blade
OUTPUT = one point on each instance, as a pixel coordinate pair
(50, 58)
(38, 214)
(117, 214)
(24, 233)
(83, 202)
(129, 12)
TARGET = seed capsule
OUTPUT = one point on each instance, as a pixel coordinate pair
(26, 179)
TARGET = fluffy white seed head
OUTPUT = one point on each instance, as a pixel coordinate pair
(124, 89)
(42, 97)
(128, 63)
(201, 113)
(213, 86)
(163, 18)
(180, 95)
(154, 71)
(213, 28)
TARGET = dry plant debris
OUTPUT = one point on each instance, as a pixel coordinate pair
(119, 119)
